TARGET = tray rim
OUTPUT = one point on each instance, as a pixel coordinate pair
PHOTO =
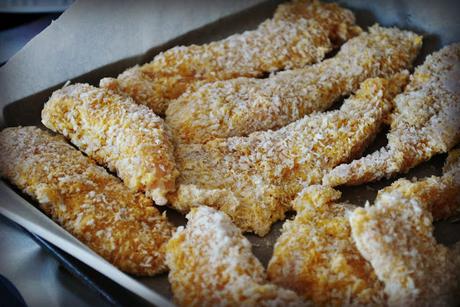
(15, 207)
(16, 198)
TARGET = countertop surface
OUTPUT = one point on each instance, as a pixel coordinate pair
(38, 276)
(43, 281)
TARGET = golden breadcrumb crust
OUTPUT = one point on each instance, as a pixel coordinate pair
(240, 106)
(118, 133)
(211, 264)
(426, 122)
(441, 193)
(338, 22)
(301, 34)
(253, 179)
(316, 256)
(396, 236)
(94, 206)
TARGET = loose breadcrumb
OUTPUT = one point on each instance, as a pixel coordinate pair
(426, 122)
(396, 237)
(94, 206)
(253, 179)
(211, 264)
(115, 131)
(240, 106)
(316, 256)
(301, 34)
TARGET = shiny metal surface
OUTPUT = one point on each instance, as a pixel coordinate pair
(38, 276)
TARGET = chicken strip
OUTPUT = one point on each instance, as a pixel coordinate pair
(118, 133)
(240, 106)
(253, 179)
(301, 33)
(316, 256)
(426, 122)
(396, 237)
(211, 264)
(94, 206)
(441, 193)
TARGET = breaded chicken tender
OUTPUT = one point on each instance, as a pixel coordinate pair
(396, 237)
(301, 33)
(94, 206)
(338, 22)
(240, 106)
(441, 193)
(118, 133)
(316, 256)
(211, 264)
(253, 179)
(426, 122)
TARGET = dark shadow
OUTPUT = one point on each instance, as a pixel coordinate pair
(27, 111)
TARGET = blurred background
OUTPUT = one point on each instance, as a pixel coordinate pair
(25, 258)
(62, 280)
(21, 20)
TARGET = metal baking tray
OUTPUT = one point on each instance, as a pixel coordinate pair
(437, 21)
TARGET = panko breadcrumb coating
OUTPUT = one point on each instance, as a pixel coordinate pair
(211, 264)
(441, 193)
(396, 237)
(115, 131)
(338, 22)
(316, 256)
(426, 122)
(94, 206)
(301, 34)
(241, 106)
(253, 179)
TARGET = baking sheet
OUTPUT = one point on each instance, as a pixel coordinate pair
(94, 35)
(436, 20)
